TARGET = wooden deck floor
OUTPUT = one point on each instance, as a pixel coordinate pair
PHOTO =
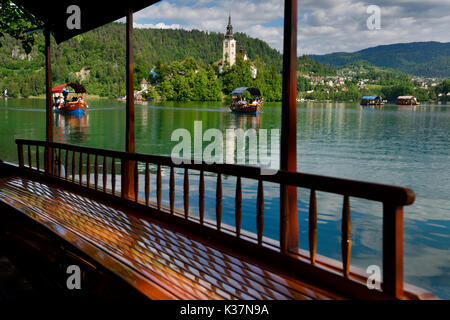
(168, 262)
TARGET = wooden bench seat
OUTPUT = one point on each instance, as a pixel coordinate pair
(157, 261)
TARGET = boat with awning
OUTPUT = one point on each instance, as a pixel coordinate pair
(240, 103)
(407, 100)
(65, 104)
(371, 101)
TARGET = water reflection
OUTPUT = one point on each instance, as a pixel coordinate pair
(70, 128)
(406, 145)
(245, 121)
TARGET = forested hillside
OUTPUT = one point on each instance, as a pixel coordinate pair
(97, 59)
(430, 59)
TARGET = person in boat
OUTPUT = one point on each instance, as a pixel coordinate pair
(65, 93)
(61, 102)
(58, 101)
(74, 99)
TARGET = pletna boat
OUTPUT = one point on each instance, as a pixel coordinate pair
(372, 101)
(407, 100)
(239, 102)
(64, 104)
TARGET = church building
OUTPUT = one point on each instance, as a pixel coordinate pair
(229, 45)
(229, 50)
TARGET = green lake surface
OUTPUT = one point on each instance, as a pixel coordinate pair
(406, 146)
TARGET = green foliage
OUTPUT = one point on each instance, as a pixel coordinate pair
(430, 59)
(442, 89)
(14, 22)
(306, 64)
(391, 93)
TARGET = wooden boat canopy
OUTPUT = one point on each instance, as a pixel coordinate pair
(252, 90)
(77, 87)
(93, 14)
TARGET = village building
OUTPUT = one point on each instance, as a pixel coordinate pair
(144, 84)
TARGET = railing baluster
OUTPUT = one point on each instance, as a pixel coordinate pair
(80, 168)
(29, 157)
(113, 176)
(96, 172)
(312, 226)
(105, 173)
(219, 201)
(37, 158)
(346, 244)
(46, 167)
(66, 168)
(20, 154)
(260, 212)
(186, 193)
(158, 187)
(172, 189)
(201, 198)
(59, 162)
(136, 181)
(393, 250)
(88, 170)
(284, 218)
(73, 166)
(238, 206)
(147, 183)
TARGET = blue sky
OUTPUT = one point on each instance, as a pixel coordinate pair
(324, 25)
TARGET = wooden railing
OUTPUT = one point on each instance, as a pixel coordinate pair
(90, 159)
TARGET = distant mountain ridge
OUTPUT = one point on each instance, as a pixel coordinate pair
(429, 59)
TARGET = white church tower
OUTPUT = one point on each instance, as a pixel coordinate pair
(229, 45)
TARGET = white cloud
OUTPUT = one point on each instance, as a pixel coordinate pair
(159, 25)
(325, 25)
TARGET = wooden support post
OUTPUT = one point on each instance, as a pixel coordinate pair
(49, 165)
(288, 152)
(128, 167)
(20, 154)
(393, 250)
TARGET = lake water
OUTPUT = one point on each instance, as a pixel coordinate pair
(406, 146)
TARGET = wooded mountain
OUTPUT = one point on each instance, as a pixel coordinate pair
(97, 58)
(430, 59)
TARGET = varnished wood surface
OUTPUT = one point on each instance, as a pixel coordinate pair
(170, 260)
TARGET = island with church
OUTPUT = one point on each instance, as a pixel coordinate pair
(193, 80)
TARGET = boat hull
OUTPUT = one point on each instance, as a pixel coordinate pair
(365, 103)
(76, 108)
(402, 103)
(249, 109)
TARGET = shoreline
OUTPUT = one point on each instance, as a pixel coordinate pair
(97, 97)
